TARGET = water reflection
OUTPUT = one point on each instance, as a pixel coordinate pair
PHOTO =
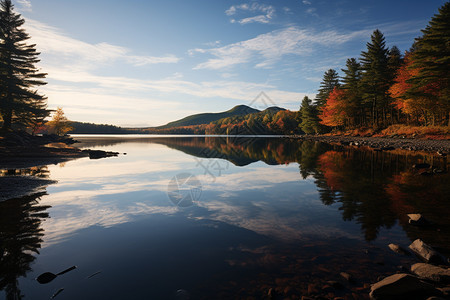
(284, 210)
(373, 188)
(21, 236)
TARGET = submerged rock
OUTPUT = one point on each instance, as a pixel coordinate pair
(426, 252)
(400, 286)
(417, 219)
(430, 272)
(398, 249)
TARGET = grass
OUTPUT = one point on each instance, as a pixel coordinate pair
(427, 132)
(424, 132)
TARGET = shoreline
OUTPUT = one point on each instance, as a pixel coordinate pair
(39, 154)
(383, 143)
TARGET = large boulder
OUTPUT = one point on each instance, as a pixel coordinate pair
(425, 252)
(401, 286)
(431, 272)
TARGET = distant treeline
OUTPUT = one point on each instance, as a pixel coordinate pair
(90, 128)
(269, 121)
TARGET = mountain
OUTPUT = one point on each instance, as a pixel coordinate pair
(206, 118)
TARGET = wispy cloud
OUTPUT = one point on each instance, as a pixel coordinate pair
(312, 11)
(237, 90)
(268, 12)
(51, 41)
(306, 2)
(25, 5)
(270, 47)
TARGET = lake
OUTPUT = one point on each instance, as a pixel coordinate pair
(219, 218)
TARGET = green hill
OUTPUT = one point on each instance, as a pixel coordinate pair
(206, 118)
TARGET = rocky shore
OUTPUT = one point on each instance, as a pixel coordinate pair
(385, 143)
(428, 278)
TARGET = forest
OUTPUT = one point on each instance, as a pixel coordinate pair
(385, 87)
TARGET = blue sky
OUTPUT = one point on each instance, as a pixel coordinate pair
(145, 63)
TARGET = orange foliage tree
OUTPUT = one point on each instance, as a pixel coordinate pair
(333, 113)
(416, 106)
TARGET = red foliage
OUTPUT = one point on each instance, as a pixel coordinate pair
(333, 113)
(331, 164)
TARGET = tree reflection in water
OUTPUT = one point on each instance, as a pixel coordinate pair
(366, 183)
(20, 239)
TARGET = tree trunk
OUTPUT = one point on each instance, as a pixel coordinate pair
(7, 120)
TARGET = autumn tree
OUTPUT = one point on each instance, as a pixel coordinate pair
(329, 82)
(414, 109)
(20, 102)
(431, 60)
(59, 124)
(333, 113)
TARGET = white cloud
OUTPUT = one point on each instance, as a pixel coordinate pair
(312, 11)
(51, 41)
(306, 2)
(268, 48)
(25, 5)
(268, 12)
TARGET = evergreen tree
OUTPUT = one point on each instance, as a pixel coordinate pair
(308, 115)
(351, 83)
(19, 100)
(432, 60)
(376, 78)
(395, 60)
(329, 82)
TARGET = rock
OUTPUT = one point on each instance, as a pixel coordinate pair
(418, 220)
(445, 290)
(398, 249)
(96, 154)
(441, 153)
(327, 288)
(399, 286)
(431, 272)
(347, 276)
(426, 173)
(312, 289)
(421, 166)
(426, 252)
(335, 284)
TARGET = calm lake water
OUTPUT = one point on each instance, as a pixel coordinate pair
(218, 218)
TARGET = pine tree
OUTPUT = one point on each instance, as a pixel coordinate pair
(431, 57)
(351, 83)
(395, 60)
(20, 102)
(329, 82)
(376, 78)
(308, 115)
